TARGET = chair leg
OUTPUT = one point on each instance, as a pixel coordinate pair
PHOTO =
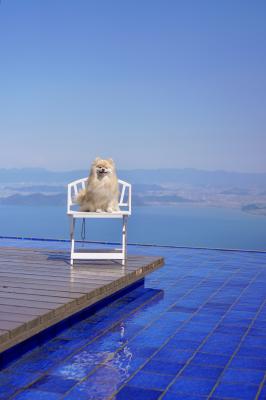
(124, 239)
(72, 238)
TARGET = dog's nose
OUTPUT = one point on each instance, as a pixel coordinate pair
(102, 169)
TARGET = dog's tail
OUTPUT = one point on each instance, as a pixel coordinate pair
(81, 196)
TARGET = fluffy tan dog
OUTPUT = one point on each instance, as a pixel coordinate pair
(101, 192)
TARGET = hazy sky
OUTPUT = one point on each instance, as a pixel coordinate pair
(167, 83)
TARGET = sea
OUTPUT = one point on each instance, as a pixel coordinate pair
(184, 225)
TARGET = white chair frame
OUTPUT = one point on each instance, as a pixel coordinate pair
(73, 189)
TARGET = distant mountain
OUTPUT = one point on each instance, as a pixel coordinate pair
(254, 208)
(38, 175)
(35, 199)
(236, 191)
(37, 188)
(166, 199)
(196, 177)
(143, 187)
(189, 176)
(40, 199)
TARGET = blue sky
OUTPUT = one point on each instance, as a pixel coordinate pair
(150, 83)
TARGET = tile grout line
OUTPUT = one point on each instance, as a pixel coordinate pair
(261, 387)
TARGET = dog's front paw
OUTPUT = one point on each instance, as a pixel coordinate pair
(99, 210)
(110, 210)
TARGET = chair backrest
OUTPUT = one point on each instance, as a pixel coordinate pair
(73, 188)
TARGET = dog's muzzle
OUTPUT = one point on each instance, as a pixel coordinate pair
(102, 171)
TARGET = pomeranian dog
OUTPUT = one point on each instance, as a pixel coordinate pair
(101, 192)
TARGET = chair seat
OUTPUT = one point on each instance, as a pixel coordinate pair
(88, 214)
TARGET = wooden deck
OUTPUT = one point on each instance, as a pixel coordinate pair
(39, 288)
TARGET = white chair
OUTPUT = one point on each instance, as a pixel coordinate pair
(74, 213)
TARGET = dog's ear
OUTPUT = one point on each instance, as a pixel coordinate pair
(111, 161)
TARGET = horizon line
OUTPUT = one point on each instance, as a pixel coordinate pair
(135, 169)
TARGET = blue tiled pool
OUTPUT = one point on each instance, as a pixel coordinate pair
(196, 330)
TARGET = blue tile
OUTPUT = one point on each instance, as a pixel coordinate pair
(201, 371)
(126, 362)
(257, 332)
(191, 386)
(196, 327)
(186, 334)
(79, 365)
(236, 391)
(7, 390)
(231, 330)
(260, 325)
(254, 341)
(174, 355)
(145, 351)
(145, 339)
(100, 385)
(149, 380)
(18, 380)
(220, 344)
(11, 381)
(262, 395)
(54, 384)
(222, 338)
(243, 375)
(233, 320)
(249, 363)
(133, 393)
(32, 363)
(241, 314)
(184, 344)
(206, 318)
(183, 309)
(168, 367)
(175, 396)
(31, 394)
(218, 360)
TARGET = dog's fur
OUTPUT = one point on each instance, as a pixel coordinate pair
(101, 192)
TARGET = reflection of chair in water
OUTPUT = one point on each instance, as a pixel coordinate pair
(73, 213)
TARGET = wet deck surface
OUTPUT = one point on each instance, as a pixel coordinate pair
(39, 288)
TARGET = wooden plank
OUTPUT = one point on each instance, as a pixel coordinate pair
(78, 271)
(15, 317)
(46, 279)
(32, 297)
(61, 265)
(31, 283)
(23, 310)
(9, 325)
(28, 303)
(41, 292)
